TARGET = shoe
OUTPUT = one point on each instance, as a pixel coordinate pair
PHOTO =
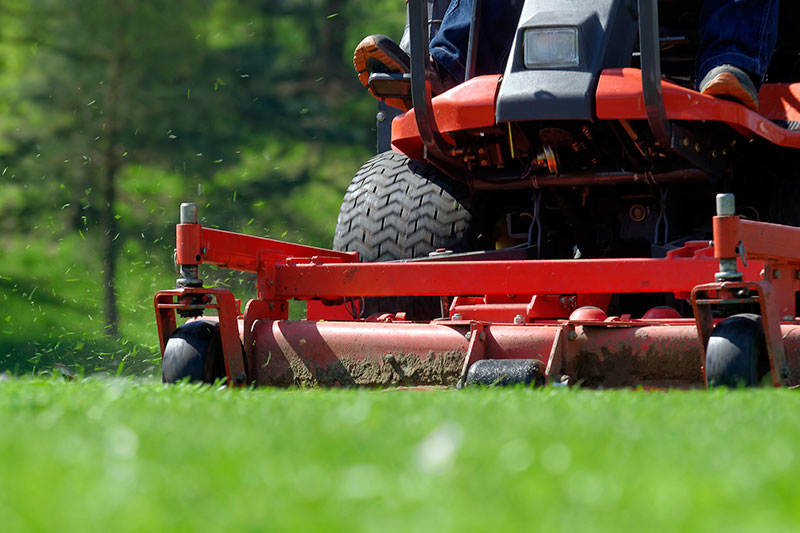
(379, 54)
(729, 82)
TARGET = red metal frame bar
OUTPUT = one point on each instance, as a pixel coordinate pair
(442, 278)
(198, 245)
(619, 96)
(770, 267)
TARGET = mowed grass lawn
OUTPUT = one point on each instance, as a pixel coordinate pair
(98, 455)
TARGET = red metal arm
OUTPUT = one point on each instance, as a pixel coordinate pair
(198, 245)
(590, 276)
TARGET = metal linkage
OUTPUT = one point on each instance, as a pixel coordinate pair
(189, 273)
(728, 267)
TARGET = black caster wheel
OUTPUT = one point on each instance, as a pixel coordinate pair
(736, 355)
(194, 351)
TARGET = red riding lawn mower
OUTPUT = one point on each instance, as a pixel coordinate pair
(555, 224)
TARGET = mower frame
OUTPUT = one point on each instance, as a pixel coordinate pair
(754, 262)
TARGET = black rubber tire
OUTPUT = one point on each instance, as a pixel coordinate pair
(194, 351)
(736, 355)
(398, 208)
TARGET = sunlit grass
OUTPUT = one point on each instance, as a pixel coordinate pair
(124, 456)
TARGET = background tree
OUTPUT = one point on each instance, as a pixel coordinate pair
(111, 113)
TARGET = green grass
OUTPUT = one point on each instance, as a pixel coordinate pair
(136, 456)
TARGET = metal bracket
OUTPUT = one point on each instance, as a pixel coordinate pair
(476, 350)
(704, 297)
(168, 302)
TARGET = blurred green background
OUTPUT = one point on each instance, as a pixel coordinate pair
(112, 113)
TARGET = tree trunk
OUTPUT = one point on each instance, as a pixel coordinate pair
(109, 222)
(109, 174)
(333, 40)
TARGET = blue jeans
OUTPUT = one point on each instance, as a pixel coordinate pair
(738, 32)
(497, 27)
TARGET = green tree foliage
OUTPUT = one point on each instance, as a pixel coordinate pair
(111, 113)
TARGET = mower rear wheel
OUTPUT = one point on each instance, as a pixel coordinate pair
(736, 355)
(194, 351)
(398, 208)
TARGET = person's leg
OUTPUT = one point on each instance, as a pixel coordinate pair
(378, 53)
(498, 24)
(737, 38)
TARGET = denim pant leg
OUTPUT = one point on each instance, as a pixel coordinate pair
(497, 27)
(737, 32)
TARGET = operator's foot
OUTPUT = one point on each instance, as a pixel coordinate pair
(729, 82)
(379, 54)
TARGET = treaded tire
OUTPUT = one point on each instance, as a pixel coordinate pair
(736, 355)
(194, 351)
(398, 208)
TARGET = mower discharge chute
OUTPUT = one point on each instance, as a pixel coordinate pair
(565, 223)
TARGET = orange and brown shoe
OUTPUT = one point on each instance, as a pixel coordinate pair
(729, 82)
(379, 54)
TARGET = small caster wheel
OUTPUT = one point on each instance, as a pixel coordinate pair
(194, 351)
(736, 355)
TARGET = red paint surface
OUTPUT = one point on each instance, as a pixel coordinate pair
(619, 96)
(469, 105)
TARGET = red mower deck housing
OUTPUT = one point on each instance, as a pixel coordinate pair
(536, 310)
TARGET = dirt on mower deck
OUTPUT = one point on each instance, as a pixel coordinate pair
(392, 370)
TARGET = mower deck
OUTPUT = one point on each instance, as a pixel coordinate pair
(542, 311)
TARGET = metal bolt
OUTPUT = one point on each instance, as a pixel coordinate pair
(696, 147)
(519, 319)
(381, 116)
(637, 212)
(468, 336)
(271, 306)
(481, 336)
(189, 213)
(572, 335)
(726, 205)
(685, 142)
(776, 274)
